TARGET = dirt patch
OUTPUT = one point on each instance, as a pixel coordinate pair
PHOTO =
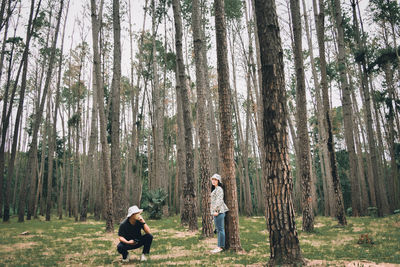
(358, 229)
(312, 243)
(16, 246)
(66, 229)
(343, 239)
(186, 263)
(349, 263)
(175, 252)
(175, 233)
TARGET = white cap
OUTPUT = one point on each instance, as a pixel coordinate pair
(216, 176)
(132, 210)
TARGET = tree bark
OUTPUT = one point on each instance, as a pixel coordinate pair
(119, 199)
(198, 43)
(227, 145)
(24, 181)
(304, 170)
(375, 177)
(347, 110)
(284, 242)
(320, 22)
(96, 20)
(158, 178)
(189, 190)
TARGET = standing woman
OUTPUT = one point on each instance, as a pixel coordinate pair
(218, 209)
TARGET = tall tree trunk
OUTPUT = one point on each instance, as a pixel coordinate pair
(53, 134)
(323, 149)
(189, 190)
(198, 43)
(394, 177)
(4, 99)
(304, 170)
(375, 179)
(320, 22)
(347, 110)
(212, 125)
(242, 143)
(181, 152)
(133, 161)
(93, 139)
(38, 116)
(284, 242)
(158, 178)
(120, 204)
(24, 181)
(226, 146)
(96, 20)
(364, 202)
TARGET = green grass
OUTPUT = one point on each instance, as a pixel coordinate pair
(66, 242)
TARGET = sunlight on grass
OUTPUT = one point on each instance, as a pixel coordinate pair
(66, 242)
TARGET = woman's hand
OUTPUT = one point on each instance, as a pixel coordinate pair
(216, 214)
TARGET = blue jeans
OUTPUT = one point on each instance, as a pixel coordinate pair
(219, 225)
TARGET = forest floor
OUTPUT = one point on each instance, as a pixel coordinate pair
(69, 243)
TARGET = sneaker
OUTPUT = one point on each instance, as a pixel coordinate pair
(216, 250)
(143, 258)
(127, 259)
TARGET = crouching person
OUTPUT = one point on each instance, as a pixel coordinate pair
(130, 235)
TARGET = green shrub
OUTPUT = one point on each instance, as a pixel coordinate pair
(349, 211)
(373, 211)
(153, 202)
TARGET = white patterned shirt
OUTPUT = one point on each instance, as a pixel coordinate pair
(217, 201)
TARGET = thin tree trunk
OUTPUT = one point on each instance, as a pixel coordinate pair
(347, 111)
(304, 170)
(157, 179)
(375, 179)
(227, 145)
(53, 134)
(212, 126)
(394, 177)
(133, 161)
(96, 20)
(243, 144)
(319, 21)
(189, 190)
(120, 204)
(24, 181)
(360, 161)
(198, 43)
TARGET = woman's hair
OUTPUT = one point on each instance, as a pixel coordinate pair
(213, 187)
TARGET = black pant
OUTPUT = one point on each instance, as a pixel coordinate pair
(144, 241)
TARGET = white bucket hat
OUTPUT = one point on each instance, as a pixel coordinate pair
(216, 176)
(133, 210)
